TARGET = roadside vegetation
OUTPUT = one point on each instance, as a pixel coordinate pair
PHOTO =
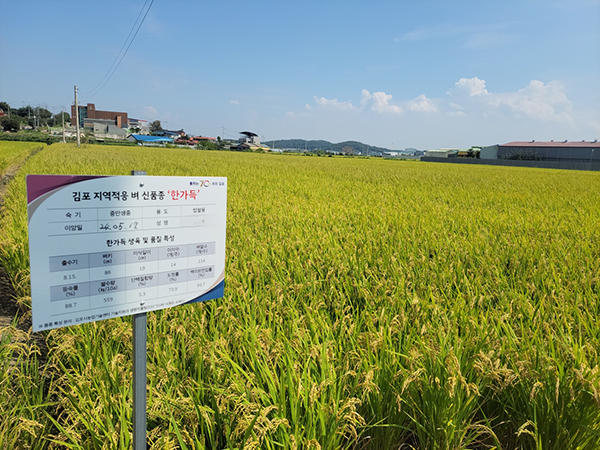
(369, 304)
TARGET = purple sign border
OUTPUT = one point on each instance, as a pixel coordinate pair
(38, 185)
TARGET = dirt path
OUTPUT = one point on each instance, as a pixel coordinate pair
(8, 304)
(7, 178)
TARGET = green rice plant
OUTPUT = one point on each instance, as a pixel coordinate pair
(548, 398)
(442, 399)
(93, 387)
(25, 384)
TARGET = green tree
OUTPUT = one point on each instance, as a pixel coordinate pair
(207, 145)
(5, 107)
(43, 113)
(41, 116)
(10, 123)
(57, 120)
(25, 111)
(155, 126)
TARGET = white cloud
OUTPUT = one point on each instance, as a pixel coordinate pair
(538, 101)
(469, 97)
(234, 102)
(593, 124)
(422, 104)
(365, 97)
(293, 115)
(469, 86)
(150, 111)
(381, 102)
(322, 101)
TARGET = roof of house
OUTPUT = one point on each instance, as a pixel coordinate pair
(167, 132)
(145, 138)
(569, 144)
(444, 150)
(248, 133)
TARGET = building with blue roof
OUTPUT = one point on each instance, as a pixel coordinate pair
(142, 139)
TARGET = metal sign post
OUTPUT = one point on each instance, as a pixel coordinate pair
(140, 337)
(139, 381)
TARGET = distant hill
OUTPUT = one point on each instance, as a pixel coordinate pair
(351, 147)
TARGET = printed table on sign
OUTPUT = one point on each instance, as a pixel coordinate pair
(103, 247)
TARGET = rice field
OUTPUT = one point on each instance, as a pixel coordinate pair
(13, 153)
(369, 304)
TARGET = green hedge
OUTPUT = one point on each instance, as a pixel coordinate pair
(29, 137)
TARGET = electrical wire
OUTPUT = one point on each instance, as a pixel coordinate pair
(120, 51)
(122, 54)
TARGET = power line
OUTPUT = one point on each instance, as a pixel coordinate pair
(97, 89)
(33, 105)
(120, 51)
(224, 131)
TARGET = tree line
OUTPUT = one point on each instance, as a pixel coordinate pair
(346, 147)
(15, 119)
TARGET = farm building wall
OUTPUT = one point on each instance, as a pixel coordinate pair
(572, 151)
(565, 165)
(574, 154)
(490, 152)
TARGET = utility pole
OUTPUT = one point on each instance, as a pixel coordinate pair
(77, 118)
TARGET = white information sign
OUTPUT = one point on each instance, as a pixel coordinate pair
(103, 247)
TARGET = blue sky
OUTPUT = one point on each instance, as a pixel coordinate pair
(396, 74)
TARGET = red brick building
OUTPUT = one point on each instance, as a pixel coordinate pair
(90, 112)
